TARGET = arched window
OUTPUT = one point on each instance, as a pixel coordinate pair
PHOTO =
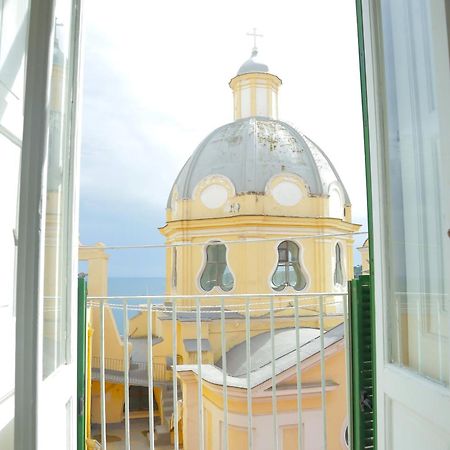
(289, 271)
(216, 271)
(338, 268)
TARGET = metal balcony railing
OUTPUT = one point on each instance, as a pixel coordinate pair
(295, 327)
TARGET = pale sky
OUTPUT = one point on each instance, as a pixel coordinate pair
(156, 83)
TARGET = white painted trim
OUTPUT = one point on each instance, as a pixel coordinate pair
(30, 260)
(11, 136)
(427, 399)
(290, 231)
(311, 361)
(288, 176)
(222, 180)
(31, 222)
(421, 395)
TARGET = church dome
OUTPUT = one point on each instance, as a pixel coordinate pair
(250, 151)
(253, 66)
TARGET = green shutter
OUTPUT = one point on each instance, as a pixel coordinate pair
(363, 406)
(81, 363)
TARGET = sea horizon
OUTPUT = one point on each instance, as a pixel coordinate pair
(133, 286)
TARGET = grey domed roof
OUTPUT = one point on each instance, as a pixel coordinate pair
(252, 66)
(250, 152)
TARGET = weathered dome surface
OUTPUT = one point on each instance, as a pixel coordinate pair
(252, 66)
(250, 152)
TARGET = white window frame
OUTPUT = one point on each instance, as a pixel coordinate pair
(32, 207)
(391, 379)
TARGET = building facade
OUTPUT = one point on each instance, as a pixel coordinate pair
(404, 47)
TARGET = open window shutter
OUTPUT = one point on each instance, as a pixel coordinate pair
(81, 361)
(363, 430)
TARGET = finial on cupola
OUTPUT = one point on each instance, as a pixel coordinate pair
(255, 90)
(255, 35)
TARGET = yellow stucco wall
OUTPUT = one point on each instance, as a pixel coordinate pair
(364, 251)
(336, 404)
(114, 399)
(98, 287)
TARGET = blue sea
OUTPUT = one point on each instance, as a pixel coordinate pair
(125, 286)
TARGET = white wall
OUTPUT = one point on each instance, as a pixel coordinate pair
(13, 34)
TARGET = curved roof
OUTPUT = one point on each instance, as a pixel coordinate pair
(250, 152)
(261, 349)
(252, 66)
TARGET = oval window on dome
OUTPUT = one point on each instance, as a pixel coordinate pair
(214, 196)
(287, 193)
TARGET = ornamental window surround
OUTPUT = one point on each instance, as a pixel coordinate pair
(216, 271)
(289, 271)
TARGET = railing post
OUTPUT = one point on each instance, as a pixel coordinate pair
(322, 374)
(102, 374)
(299, 377)
(224, 374)
(274, 377)
(174, 374)
(81, 363)
(126, 367)
(249, 369)
(199, 375)
(151, 420)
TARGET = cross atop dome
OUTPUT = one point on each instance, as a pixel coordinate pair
(255, 35)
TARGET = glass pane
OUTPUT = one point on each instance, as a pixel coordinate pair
(283, 256)
(293, 252)
(300, 279)
(56, 298)
(292, 275)
(221, 253)
(211, 253)
(418, 298)
(279, 277)
(227, 280)
(209, 277)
